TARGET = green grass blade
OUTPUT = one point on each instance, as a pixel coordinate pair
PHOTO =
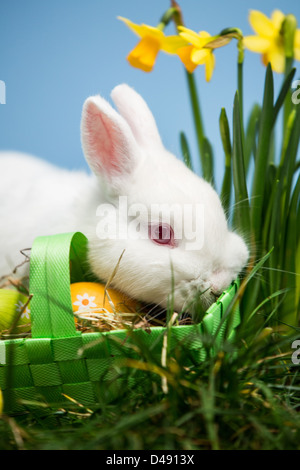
(226, 190)
(251, 133)
(287, 107)
(290, 235)
(251, 298)
(262, 155)
(227, 179)
(185, 150)
(242, 209)
(225, 135)
(266, 300)
(297, 263)
(273, 202)
(286, 140)
(198, 121)
(286, 87)
(272, 149)
(290, 259)
(276, 221)
(271, 176)
(287, 175)
(209, 161)
(292, 155)
(248, 296)
(271, 185)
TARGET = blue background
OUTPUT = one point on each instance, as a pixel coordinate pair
(55, 53)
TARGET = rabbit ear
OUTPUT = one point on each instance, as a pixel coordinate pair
(139, 117)
(107, 141)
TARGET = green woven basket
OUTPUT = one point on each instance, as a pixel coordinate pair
(59, 361)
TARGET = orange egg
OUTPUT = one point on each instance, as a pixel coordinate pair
(90, 295)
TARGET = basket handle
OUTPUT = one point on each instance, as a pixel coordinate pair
(55, 262)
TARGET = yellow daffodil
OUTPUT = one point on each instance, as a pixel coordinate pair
(200, 50)
(269, 40)
(143, 56)
(185, 55)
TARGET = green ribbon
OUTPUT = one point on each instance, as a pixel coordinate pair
(55, 261)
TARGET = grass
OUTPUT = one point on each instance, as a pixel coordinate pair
(248, 400)
(245, 394)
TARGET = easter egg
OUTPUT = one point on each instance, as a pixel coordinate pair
(90, 295)
(1, 402)
(11, 305)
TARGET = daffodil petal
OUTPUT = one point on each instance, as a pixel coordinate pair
(190, 36)
(204, 34)
(276, 59)
(199, 56)
(261, 24)
(206, 39)
(136, 28)
(143, 56)
(277, 18)
(143, 30)
(257, 44)
(171, 44)
(153, 31)
(297, 45)
(209, 66)
(184, 54)
(297, 38)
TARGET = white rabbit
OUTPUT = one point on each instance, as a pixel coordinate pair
(127, 204)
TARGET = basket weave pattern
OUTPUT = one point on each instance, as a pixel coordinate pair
(58, 360)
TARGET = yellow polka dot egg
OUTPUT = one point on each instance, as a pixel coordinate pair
(91, 296)
(106, 308)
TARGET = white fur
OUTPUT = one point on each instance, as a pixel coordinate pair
(128, 158)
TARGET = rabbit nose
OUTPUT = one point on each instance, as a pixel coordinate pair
(219, 281)
(216, 292)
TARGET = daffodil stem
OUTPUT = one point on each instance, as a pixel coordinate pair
(241, 91)
(240, 84)
(240, 79)
(167, 17)
(195, 104)
(194, 98)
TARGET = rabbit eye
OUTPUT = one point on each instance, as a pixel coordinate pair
(162, 234)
